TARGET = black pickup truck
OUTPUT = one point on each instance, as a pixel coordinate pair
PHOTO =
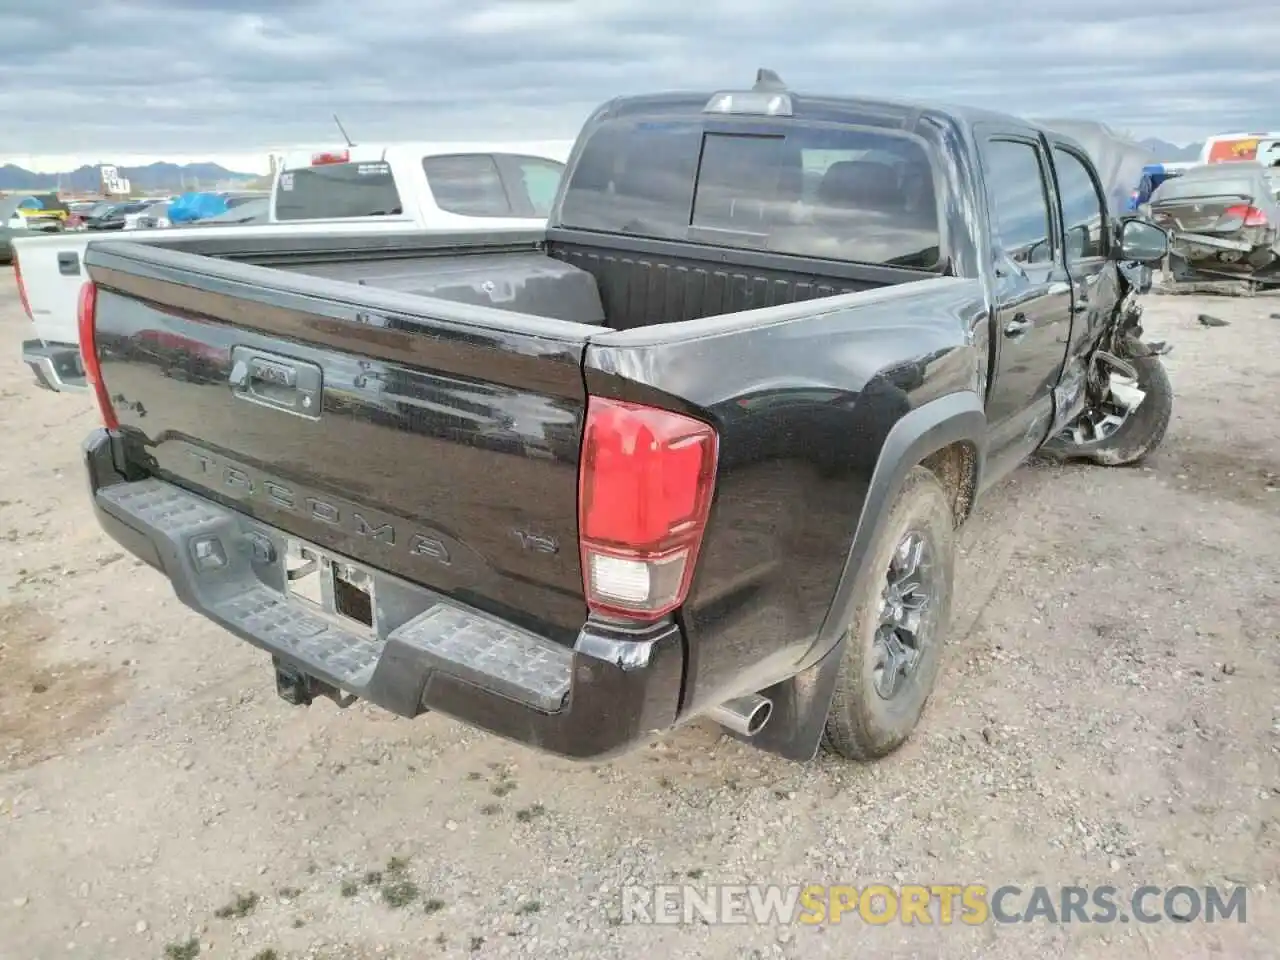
(697, 450)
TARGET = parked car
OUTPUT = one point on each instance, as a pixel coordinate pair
(114, 216)
(1225, 222)
(379, 189)
(133, 218)
(156, 215)
(239, 199)
(12, 224)
(43, 211)
(96, 210)
(246, 210)
(697, 449)
(17, 222)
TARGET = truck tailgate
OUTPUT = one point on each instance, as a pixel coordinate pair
(441, 450)
(52, 272)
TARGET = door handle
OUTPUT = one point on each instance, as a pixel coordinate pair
(1080, 306)
(69, 263)
(1017, 326)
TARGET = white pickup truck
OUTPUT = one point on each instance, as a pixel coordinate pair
(380, 188)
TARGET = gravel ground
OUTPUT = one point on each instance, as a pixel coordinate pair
(1109, 713)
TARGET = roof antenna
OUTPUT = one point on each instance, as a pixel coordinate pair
(768, 80)
(343, 131)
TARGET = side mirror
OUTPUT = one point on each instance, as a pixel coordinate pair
(1142, 241)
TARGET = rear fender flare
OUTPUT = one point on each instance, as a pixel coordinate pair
(801, 702)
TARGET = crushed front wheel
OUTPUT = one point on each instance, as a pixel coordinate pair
(1125, 427)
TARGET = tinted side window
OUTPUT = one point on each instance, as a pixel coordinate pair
(337, 190)
(539, 181)
(1082, 207)
(1019, 200)
(468, 185)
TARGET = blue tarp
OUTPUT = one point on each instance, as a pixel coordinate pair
(1153, 174)
(196, 206)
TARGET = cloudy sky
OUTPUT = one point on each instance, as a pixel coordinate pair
(123, 80)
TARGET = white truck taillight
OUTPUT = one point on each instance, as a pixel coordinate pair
(22, 288)
(86, 321)
(645, 482)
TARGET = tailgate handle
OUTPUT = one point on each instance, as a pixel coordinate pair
(283, 383)
(257, 370)
(69, 264)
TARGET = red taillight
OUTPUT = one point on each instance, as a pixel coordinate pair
(85, 317)
(645, 482)
(22, 288)
(330, 156)
(1252, 216)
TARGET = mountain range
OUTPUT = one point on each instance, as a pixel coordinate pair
(172, 176)
(154, 176)
(1167, 152)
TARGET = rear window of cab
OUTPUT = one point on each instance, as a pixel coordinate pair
(853, 194)
(335, 191)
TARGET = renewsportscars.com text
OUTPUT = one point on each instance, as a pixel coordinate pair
(941, 904)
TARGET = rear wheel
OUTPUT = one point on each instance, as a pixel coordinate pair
(901, 608)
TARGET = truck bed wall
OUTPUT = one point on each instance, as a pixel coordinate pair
(639, 288)
(621, 287)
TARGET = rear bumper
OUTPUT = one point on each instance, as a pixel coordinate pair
(56, 366)
(427, 652)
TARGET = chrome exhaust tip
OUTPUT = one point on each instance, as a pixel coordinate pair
(745, 716)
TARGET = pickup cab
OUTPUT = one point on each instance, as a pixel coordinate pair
(698, 449)
(370, 188)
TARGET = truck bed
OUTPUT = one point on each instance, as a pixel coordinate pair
(620, 284)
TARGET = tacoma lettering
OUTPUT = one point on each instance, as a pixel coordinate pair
(277, 494)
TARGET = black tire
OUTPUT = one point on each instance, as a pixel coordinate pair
(862, 724)
(1139, 435)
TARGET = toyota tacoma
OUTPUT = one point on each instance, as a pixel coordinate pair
(697, 449)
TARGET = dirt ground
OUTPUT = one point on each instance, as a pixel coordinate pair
(1109, 713)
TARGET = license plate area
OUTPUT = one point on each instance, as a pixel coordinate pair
(337, 588)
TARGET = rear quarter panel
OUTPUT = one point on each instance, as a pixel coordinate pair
(803, 402)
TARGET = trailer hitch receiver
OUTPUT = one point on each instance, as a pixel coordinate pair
(300, 688)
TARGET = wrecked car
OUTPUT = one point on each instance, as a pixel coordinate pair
(1224, 222)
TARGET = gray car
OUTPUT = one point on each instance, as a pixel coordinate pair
(1224, 220)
